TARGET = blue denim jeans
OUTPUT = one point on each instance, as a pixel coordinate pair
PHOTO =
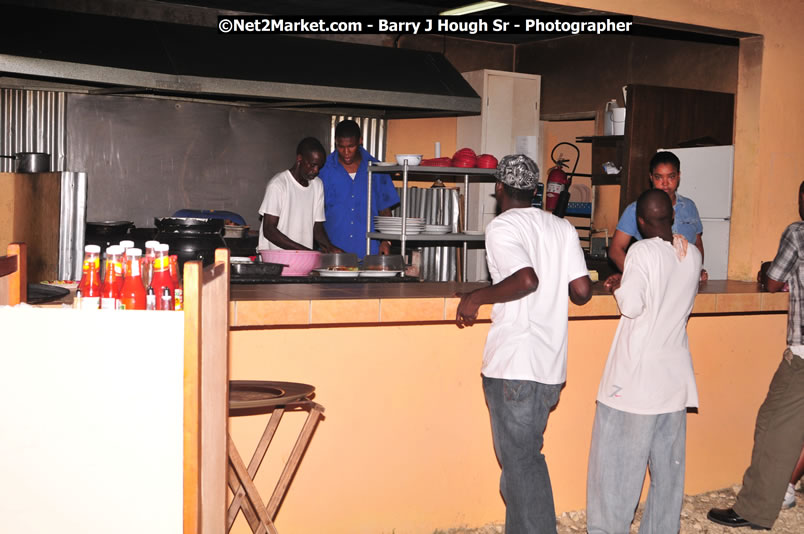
(519, 410)
(623, 444)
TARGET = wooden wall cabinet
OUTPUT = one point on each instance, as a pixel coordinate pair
(668, 117)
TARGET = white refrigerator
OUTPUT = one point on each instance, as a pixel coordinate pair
(706, 178)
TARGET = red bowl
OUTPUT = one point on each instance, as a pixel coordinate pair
(464, 152)
(487, 161)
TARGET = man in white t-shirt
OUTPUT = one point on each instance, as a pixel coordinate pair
(648, 382)
(293, 207)
(536, 262)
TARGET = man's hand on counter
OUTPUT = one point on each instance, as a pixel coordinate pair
(612, 282)
(467, 310)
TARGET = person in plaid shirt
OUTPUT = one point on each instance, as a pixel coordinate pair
(779, 433)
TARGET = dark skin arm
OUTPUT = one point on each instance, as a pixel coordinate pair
(618, 247)
(518, 285)
(773, 286)
(580, 290)
(321, 237)
(271, 231)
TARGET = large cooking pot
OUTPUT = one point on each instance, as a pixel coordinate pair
(105, 233)
(30, 161)
(191, 238)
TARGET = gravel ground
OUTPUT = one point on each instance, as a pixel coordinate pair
(693, 517)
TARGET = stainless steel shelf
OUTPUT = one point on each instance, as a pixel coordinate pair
(419, 169)
(410, 171)
(428, 237)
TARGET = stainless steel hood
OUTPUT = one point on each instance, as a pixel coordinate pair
(114, 55)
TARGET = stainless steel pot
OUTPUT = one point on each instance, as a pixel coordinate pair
(30, 161)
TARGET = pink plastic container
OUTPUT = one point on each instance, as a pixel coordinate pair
(298, 262)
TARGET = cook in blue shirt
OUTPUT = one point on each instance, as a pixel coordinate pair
(665, 174)
(345, 178)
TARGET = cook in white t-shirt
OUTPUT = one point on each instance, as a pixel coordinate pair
(293, 207)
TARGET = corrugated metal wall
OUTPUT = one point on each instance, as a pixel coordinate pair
(373, 131)
(33, 121)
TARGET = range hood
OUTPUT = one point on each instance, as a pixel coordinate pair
(112, 55)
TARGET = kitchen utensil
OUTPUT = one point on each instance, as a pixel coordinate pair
(410, 159)
(191, 238)
(298, 262)
(30, 161)
(379, 274)
(338, 260)
(326, 273)
(465, 158)
(256, 269)
(379, 262)
(234, 231)
(486, 161)
(105, 233)
(437, 162)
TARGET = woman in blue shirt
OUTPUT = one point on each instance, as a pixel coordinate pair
(665, 174)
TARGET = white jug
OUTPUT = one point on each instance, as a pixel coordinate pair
(608, 124)
(618, 119)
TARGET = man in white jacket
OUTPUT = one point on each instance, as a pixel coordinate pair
(648, 382)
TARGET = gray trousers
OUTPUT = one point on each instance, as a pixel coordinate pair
(778, 440)
(623, 445)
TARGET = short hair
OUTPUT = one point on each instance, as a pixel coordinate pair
(655, 205)
(664, 157)
(347, 129)
(523, 195)
(308, 145)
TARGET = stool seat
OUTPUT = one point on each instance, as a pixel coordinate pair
(254, 397)
(248, 397)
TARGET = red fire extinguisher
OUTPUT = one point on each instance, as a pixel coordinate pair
(558, 182)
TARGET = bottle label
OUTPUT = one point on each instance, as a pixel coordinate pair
(108, 303)
(90, 303)
(178, 299)
(162, 263)
(91, 263)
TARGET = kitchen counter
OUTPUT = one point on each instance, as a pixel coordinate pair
(278, 305)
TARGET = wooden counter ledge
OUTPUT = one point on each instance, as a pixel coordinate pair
(297, 305)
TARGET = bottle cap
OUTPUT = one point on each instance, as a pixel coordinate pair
(126, 243)
(162, 247)
(151, 244)
(151, 290)
(133, 252)
(114, 249)
(94, 249)
(165, 292)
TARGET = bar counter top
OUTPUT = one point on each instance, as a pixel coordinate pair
(295, 305)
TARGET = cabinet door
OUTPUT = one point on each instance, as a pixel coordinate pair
(511, 111)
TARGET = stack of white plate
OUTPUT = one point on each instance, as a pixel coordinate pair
(393, 225)
(437, 228)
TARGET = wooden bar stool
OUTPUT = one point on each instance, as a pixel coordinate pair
(253, 397)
